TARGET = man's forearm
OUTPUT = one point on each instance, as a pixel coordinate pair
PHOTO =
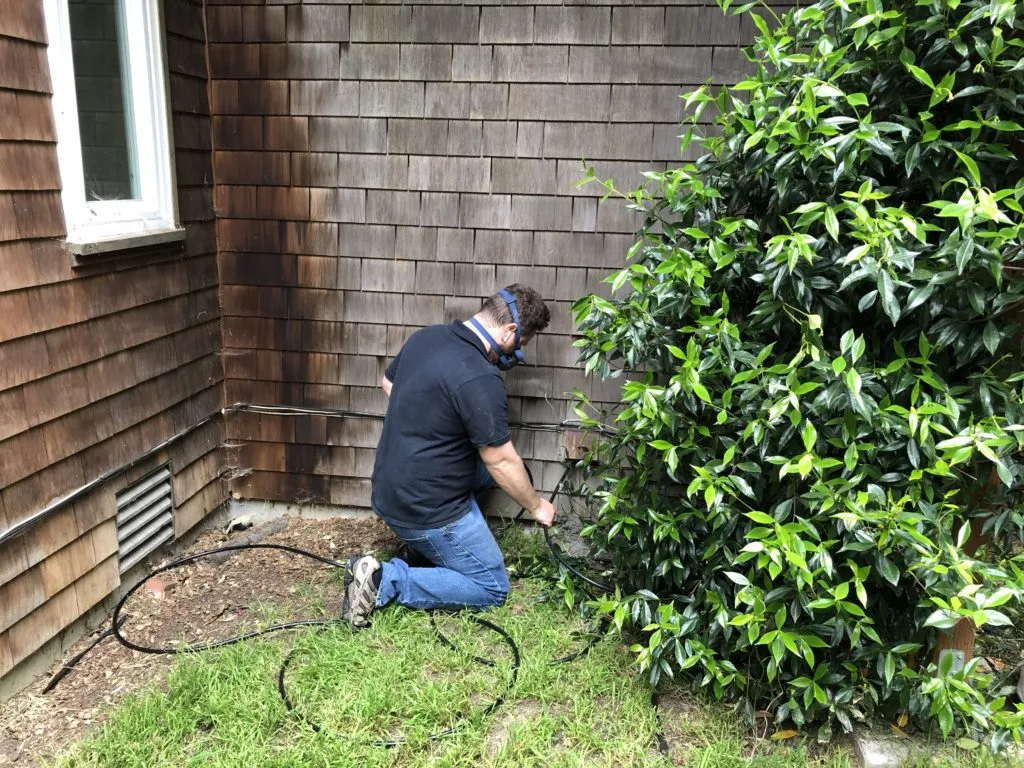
(509, 473)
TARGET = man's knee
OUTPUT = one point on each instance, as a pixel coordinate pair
(498, 592)
(497, 597)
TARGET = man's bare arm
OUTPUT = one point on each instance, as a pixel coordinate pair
(508, 470)
(385, 384)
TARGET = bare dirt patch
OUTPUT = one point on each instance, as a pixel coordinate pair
(1002, 649)
(513, 717)
(198, 603)
(680, 717)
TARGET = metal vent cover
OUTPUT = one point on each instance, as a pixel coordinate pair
(144, 519)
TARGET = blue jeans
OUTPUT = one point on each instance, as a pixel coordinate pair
(470, 570)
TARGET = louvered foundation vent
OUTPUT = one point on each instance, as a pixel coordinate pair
(144, 520)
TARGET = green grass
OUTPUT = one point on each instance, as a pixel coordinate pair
(222, 709)
(394, 680)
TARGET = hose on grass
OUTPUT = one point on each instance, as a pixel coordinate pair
(117, 622)
(390, 743)
(118, 619)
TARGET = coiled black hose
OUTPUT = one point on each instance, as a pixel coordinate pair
(117, 621)
(389, 743)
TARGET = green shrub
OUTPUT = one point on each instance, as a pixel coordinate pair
(822, 317)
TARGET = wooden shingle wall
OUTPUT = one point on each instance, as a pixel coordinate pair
(97, 364)
(381, 167)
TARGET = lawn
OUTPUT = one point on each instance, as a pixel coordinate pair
(396, 680)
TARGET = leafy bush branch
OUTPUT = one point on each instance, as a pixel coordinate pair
(816, 468)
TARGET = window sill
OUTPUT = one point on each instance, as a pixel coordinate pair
(81, 253)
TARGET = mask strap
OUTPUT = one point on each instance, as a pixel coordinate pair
(483, 332)
(505, 361)
(511, 301)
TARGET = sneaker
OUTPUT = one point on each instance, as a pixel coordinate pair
(360, 590)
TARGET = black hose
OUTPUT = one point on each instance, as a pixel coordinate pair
(116, 626)
(563, 561)
(117, 621)
(559, 556)
(595, 638)
(66, 668)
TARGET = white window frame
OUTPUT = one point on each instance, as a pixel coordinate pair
(143, 60)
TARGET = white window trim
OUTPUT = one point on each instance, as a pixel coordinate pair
(155, 213)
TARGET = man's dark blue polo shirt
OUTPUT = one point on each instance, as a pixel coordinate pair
(447, 401)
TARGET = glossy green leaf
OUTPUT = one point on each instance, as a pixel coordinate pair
(836, 271)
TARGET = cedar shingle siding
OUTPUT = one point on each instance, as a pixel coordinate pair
(381, 167)
(100, 363)
(346, 174)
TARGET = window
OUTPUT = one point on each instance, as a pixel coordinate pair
(113, 134)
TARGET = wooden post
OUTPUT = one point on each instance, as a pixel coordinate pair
(961, 637)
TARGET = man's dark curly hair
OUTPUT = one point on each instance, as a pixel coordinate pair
(534, 314)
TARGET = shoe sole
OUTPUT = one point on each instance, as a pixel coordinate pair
(358, 585)
(349, 577)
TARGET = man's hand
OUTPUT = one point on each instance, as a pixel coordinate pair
(544, 514)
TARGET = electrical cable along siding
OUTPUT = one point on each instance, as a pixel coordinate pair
(19, 528)
(144, 517)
